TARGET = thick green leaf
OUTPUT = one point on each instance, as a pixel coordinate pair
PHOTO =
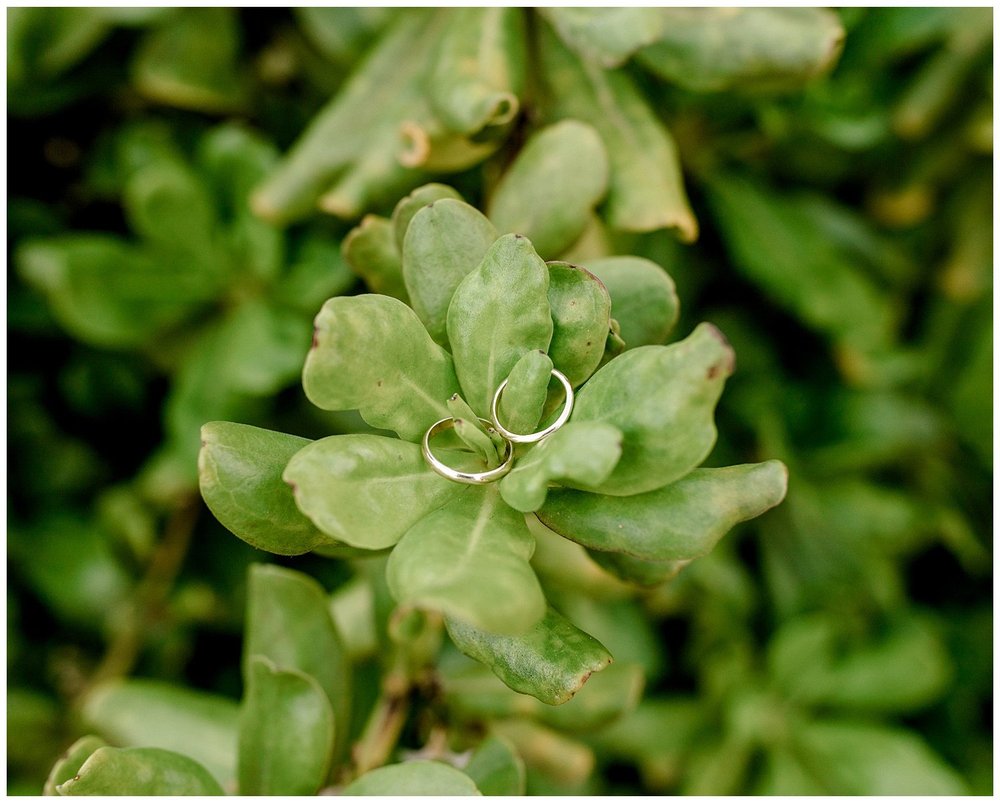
(445, 241)
(662, 398)
(780, 248)
(551, 661)
(43, 42)
(169, 205)
(418, 777)
(498, 312)
(191, 61)
(643, 298)
(372, 354)
(407, 207)
(370, 249)
(353, 143)
(234, 160)
(286, 732)
(523, 399)
(608, 36)
(580, 452)
(679, 521)
(496, 768)
(68, 765)
(477, 694)
(550, 190)
(581, 317)
(288, 622)
(317, 270)
(239, 469)
(479, 71)
(862, 759)
(150, 713)
(636, 570)
(550, 757)
(70, 562)
(560, 562)
(341, 34)
(713, 49)
(813, 660)
(621, 624)
(366, 490)
(647, 191)
(469, 560)
(140, 771)
(109, 293)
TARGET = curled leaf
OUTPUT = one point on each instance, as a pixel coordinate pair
(551, 661)
(680, 521)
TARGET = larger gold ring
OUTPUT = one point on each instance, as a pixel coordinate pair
(469, 478)
(534, 437)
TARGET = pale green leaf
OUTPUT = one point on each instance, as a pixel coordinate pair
(109, 293)
(168, 204)
(341, 34)
(445, 241)
(523, 399)
(366, 490)
(551, 661)
(679, 521)
(550, 190)
(288, 622)
(496, 768)
(581, 317)
(816, 660)
(476, 694)
(68, 764)
(858, 758)
(353, 142)
(498, 312)
(662, 398)
(715, 49)
(780, 248)
(286, 732)
(370, 249)
(647, 190)
(479, 70)
(608, 36)
(643, 298)
(580, 452)
(140, 771)
(150, 713)
(239, 470)
(418, 777)
(407, 207)
(469, 560)
(371, 353)
(191, 61)
(636, 570)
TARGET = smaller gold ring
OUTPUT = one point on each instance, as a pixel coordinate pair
(467, 477)
(534, 437)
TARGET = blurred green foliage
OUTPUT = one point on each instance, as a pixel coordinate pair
(837, 171)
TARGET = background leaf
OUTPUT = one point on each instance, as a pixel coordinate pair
(286, 732)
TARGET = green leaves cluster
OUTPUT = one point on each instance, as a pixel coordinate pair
(214, 297)
(288, 736)
(440, 91)
(623, 468)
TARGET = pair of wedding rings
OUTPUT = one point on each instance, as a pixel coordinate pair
(494, 426)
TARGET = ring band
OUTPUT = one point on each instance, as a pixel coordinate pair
(469, 478)
(534, 437)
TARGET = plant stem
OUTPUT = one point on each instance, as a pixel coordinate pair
(384, 725)
(150, 594)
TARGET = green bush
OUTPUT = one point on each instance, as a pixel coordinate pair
(793, 203)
